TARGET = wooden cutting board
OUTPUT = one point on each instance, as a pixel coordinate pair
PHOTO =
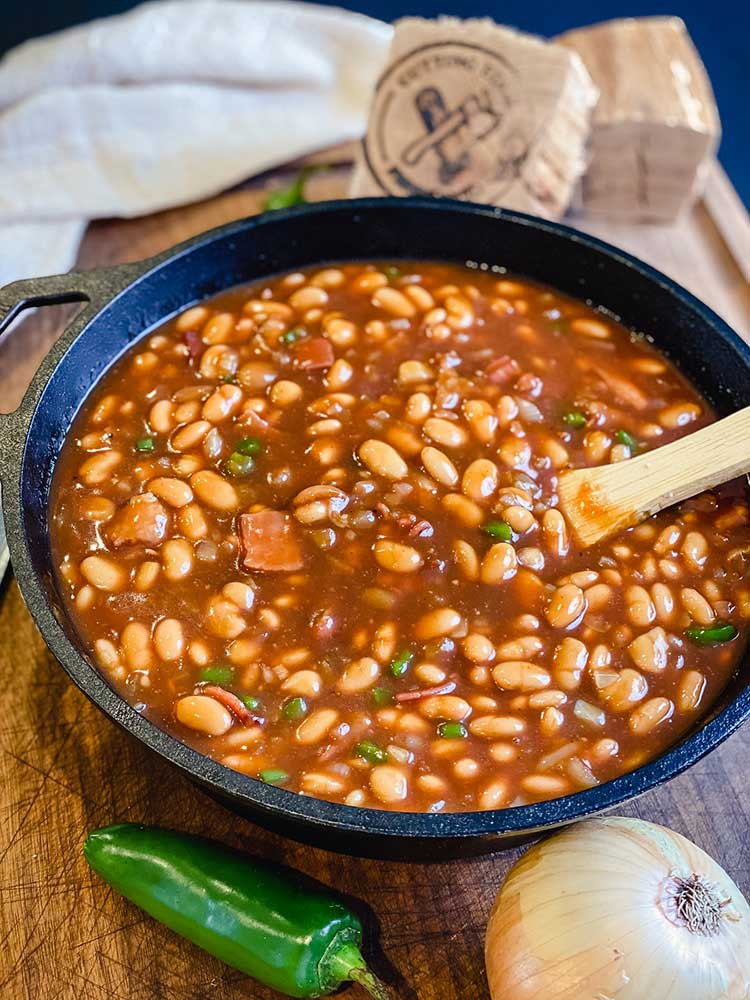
(65, 769)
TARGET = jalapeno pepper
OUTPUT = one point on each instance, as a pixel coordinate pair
(259, 920)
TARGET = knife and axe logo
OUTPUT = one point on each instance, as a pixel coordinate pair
(445, 122)
(450, 134)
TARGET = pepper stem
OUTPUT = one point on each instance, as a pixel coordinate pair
(349, 964)
(370, 982)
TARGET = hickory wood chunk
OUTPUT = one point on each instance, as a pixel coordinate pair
(469, 109)
(656, 127)
(601, 501)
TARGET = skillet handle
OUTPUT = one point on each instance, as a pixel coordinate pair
(51, 290)
(95, 287)
(27, 294)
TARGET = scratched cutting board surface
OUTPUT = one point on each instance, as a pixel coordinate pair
(65, 769)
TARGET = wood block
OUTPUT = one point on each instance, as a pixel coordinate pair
(656, 126)
(468, 109)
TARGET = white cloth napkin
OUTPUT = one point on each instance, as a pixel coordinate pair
(169, 103)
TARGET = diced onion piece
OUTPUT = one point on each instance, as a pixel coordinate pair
(589, 713)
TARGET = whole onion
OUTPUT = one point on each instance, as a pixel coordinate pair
(618, 909)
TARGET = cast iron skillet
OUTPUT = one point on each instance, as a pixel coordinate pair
(122, 303)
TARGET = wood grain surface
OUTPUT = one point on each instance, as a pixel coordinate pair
(65, 769)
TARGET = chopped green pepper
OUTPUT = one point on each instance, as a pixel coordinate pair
(265, 921)
(392, 272)
(627, 439)
(239, 465)
(145, 444)
(251, 702)
(452, 731)
(217, 674)
(228, 379)
(712, 635)
(574, 418)
(371, 752)
(498, 529)
(274, 776)
(288, 196)
(294, 709)
(382, 696)
(249, 446)
(400, 665)
(291, 335)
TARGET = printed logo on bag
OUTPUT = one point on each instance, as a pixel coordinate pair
(446, 121)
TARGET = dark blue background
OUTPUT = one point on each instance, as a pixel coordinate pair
(720, 29)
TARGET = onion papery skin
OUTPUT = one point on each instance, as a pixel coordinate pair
(585, 915)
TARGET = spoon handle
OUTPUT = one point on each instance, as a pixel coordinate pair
(598, 502)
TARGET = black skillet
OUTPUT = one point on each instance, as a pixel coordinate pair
(123, 303)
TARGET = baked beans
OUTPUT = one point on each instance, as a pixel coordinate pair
(310, 528)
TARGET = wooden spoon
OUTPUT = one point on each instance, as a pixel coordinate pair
(601, 501)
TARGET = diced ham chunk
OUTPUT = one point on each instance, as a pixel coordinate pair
(142, 521)
(316, 352)
(430, 692)
(623, 390)
(529, 384)
(229, 701)
(194, 343)
(502, 369)
(254, 423)
(269, 542)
